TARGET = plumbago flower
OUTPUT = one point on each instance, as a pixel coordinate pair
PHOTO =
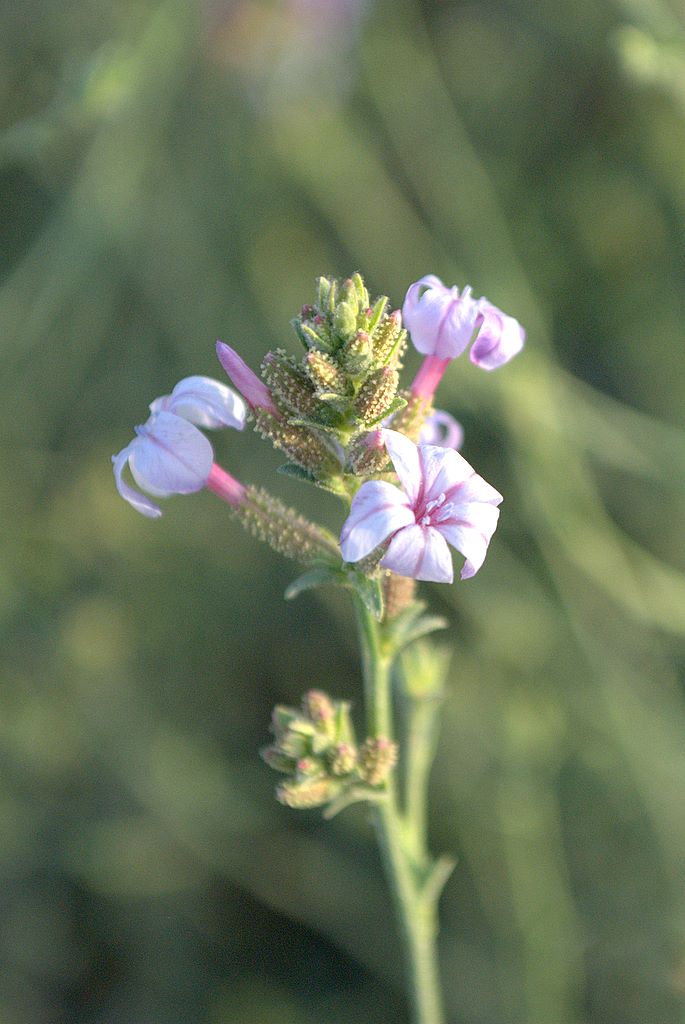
(442, 500)
(443, 321)
(169, 455)
(338, 414)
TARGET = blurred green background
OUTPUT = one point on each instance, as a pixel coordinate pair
(173, 173)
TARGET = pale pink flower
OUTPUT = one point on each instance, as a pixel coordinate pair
(204, 402)
(443, 322)
(169, 455)
(442, 500)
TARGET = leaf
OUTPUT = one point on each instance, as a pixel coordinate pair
(318, 577)
(411, 624)
(297, 472)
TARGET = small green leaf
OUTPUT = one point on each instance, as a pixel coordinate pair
(314, 578)
(325, 428)
(411, 624)
(298, 472)
(334, 485)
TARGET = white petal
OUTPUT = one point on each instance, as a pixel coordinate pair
(405, 459)
(378, 509)
(139, 501)
(207, 403)
(471, 534)
(170, 456)
(420, 552)
(456, 327)
(500, 338)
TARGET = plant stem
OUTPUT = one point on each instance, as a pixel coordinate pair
(402, 840)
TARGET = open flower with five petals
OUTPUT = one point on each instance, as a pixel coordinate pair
(442, 501)
(169, 455)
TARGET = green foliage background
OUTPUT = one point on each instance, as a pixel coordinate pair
(173, 173)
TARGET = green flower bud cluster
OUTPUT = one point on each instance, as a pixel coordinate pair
(315, 747)
(345, 384)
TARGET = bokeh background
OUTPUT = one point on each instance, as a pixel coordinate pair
(176, 172)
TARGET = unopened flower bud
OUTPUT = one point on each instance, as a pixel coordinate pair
(307, 793)
(256, 393)
(276, 759)
(362, 293)
(348, 294)
(389, 340)
(325, 293)
(325, 374)
(281, 719)
(377, 311)
(345, 320)
(411, 418)
(376, 395)
(290, 385)
(356, 354)
(307, 767)
(377, 758)
(343, 759)
(367, 455)
(299, 444)
(319, 707)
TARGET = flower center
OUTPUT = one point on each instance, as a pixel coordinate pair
(435, 511)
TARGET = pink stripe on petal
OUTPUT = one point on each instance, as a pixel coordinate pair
(421, 553)
(170, 456)
(378, 510)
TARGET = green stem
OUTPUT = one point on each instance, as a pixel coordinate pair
(401, 838)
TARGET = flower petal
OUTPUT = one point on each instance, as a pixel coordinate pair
(471, 536)
(457, 326)
(170, 456)
(378, 509)
(500, 338)
(441, 429)
(420, 552)
(205, 402)
(473, 489)
(424, 316)
(139, 501)
(405, 459)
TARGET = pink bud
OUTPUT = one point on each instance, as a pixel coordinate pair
(253, 390)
